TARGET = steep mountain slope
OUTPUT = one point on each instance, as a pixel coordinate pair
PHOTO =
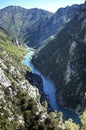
(64, 61)
(19, 100)
(45, 28)
(20, 107)
(33, 26)
(59, 19)
(16, 20)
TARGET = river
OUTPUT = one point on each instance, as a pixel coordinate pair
(49, 88)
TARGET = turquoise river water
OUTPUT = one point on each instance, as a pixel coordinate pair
(50, 90)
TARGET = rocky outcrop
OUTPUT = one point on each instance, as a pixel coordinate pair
(19, 99)
(16, 91)
(36, 80)
(4, 81)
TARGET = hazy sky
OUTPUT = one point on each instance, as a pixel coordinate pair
(50, 5)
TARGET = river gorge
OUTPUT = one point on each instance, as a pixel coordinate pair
(50, 90)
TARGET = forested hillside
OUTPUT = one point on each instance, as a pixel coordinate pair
(20, 107)
(61, 57)
(63, 60)
(33, 26)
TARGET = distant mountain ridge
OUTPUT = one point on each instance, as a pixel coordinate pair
(33, 26)
(15, 20)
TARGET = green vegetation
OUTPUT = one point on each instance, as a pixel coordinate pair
(21, 23)
(6, 43)
(83, 120)
(20, 107)
(18, 110)
(63, 60)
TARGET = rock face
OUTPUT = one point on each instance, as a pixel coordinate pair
(4, 81)
(19, 99)
(12, 89)
(36, 80)
(59, 19)
(33, 26)
(63, 60)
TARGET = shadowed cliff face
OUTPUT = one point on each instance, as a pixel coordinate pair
(64, 61)
(33, 26)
